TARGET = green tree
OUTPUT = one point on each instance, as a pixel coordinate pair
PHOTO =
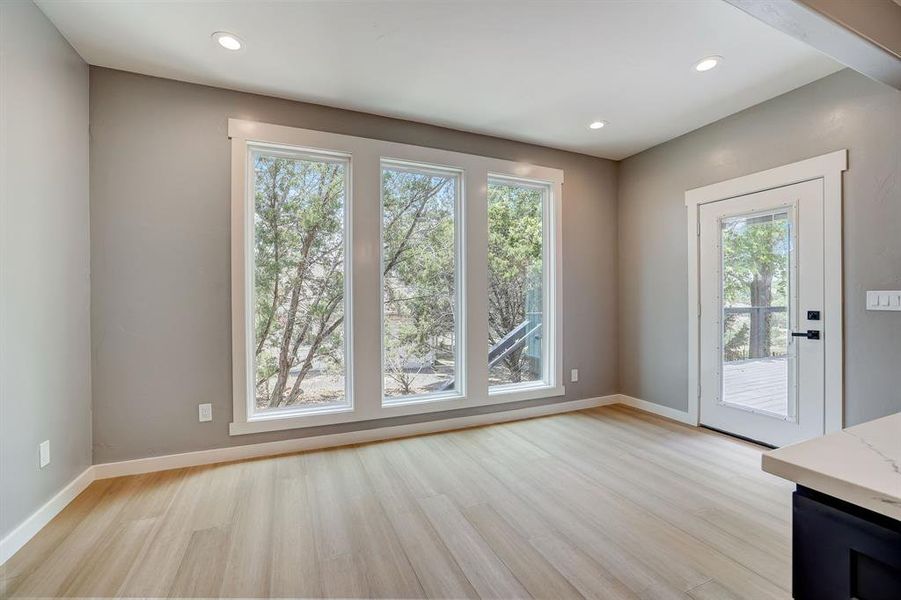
(755, 275)
(514, 266)
(299, 274)
(419, 274)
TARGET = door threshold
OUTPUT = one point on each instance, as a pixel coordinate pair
(740, 437)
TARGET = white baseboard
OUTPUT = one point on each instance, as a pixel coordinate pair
(217, 455)
(658, 409)
(19, 536)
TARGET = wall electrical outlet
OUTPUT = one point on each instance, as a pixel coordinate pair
(205, 412)
(574, 375)
(44, 451)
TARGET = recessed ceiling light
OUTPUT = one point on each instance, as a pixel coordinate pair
(597, 124)
(229, 41)
(707, 63)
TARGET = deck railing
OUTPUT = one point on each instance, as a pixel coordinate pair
(757, 327)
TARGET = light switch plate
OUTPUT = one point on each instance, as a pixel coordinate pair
(205, 412)
(884, 300)
(44, 451)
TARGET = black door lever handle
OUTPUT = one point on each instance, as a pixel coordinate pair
(810, 334)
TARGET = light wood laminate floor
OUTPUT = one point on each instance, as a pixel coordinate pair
(603, 503)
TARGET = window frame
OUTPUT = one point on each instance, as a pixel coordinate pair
(296, 153)
(459, 390)
(363, 274)
(549, 298)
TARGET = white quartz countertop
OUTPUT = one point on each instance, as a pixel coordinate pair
(860, 464)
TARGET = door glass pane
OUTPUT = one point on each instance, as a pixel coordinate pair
(516, 278)
(419, 303)
(757, 359)
(298, 274)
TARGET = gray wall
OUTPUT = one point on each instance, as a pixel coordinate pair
(45, 366)
(160, 256)
(844, 110)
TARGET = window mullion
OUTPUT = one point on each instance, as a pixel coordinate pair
(366, 285)
(475, 257)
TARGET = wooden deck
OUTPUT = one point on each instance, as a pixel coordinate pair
(759, 383)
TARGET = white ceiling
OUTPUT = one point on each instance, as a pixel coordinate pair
(536, 71)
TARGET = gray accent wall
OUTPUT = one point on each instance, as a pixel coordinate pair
(844, 110)
(160, 257)
(45, 347)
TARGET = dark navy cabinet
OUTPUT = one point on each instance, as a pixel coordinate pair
(841, 551)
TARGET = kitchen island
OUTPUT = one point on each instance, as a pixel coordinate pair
(846, 513)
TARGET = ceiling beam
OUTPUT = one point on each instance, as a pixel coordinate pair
(863, 35)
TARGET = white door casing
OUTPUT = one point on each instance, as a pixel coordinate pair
(828, 170)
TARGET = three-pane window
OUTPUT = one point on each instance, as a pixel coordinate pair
(372, 279)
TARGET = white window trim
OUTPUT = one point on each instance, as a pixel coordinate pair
(248, 243)
(829, 168)
(363, 274)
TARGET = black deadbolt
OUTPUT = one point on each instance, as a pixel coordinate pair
(813, 315)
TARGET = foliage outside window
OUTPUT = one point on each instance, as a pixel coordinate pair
(516, 325)
(420, 307)
(299, 266)
(322, 334)
(756, 253)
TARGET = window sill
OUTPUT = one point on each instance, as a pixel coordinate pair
(422, 399)
(525, 391)
(517, 393)
(280, 420)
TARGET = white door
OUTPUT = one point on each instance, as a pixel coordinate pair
(762, 323)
